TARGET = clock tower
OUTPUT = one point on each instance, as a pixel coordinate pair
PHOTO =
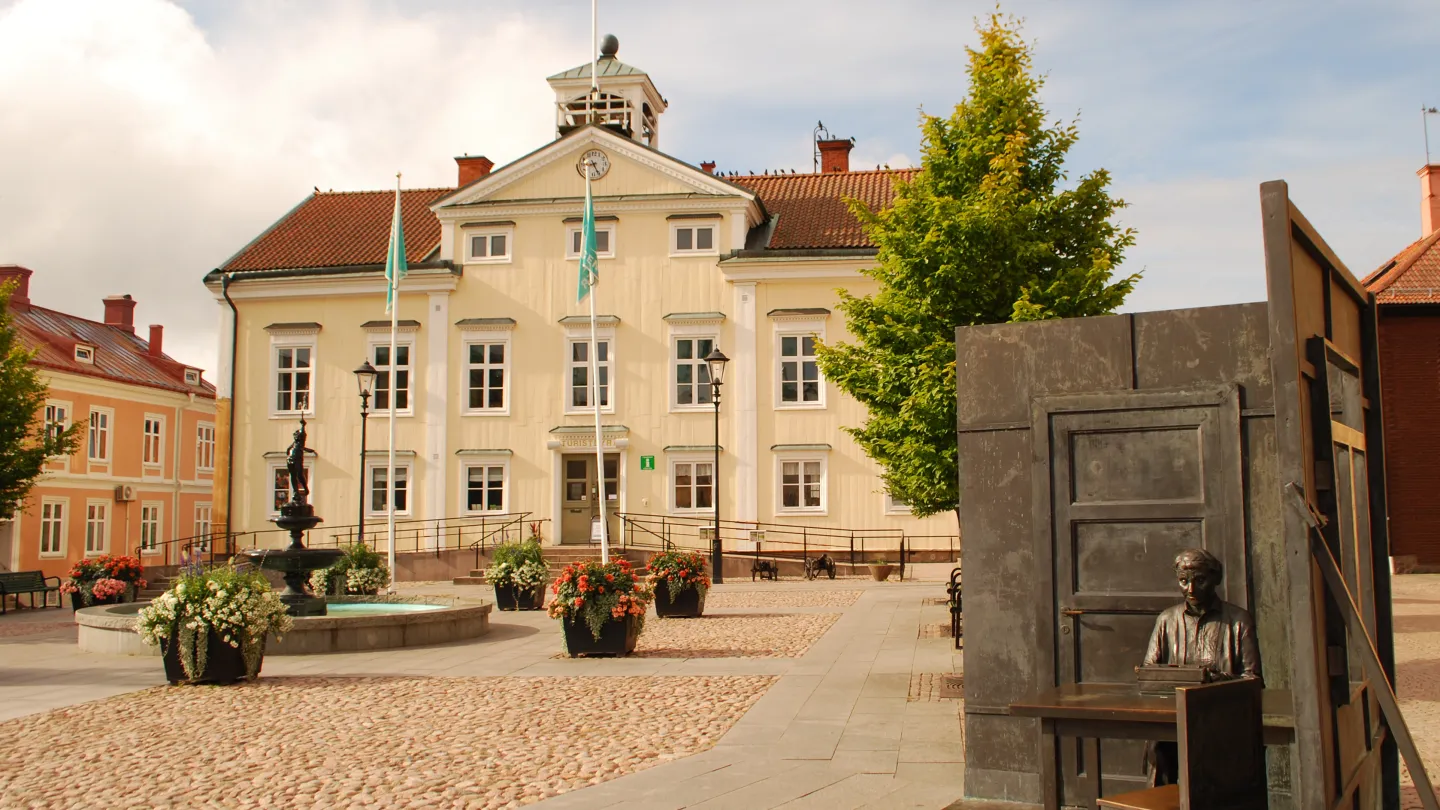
(627, 101)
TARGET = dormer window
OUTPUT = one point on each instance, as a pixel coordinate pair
(192, 376)
(85, 354)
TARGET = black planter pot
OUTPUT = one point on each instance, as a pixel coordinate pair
(223, 664)
(617, 637)
(512, 597)
(688, 604)
(77, 601)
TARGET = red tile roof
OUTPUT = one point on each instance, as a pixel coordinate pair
(1412, 277)
(811, 208)
(338, 229)
(119, 355)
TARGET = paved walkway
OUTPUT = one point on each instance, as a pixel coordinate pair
(835, 731)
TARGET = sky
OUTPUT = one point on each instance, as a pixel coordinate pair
(143, 142)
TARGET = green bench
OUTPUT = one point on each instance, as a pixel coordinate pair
(31, 582)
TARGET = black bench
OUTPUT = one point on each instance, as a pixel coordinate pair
(14, 583)
(957, 607)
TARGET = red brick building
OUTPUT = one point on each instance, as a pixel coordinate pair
(1407, 289)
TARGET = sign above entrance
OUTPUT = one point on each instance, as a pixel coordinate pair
(647, 462)
(577, 437)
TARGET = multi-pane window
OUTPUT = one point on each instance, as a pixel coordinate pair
(57, 419)
(96, 513)
(99, 436)
(378, 489)
(293, 368)
(580, 386)
(489, 246)
(694, 239)
(402, 378)
(149, 527)
(802, 484)
(799, 373)
(603, 242)
(154, 429)
(694, 484)
(205, 446)
(52, 526)
(280, 486)
(485, 488)
(485, 365)
(202, 526)
(692, 375)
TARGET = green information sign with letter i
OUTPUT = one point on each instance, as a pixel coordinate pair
(647, 462)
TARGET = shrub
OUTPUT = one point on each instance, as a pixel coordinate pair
(596, 593)
(679, 570)
(237, 606)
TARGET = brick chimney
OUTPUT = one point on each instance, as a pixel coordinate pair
(120, 312)
(473, 167)
(20, 300)
(157, 340)
(1429, 198)
(707, 166)
(835, 155)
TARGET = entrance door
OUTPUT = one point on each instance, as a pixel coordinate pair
(580, 496)
(1135, 478)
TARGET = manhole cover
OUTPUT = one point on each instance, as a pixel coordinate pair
(937, 630)
(935, 600)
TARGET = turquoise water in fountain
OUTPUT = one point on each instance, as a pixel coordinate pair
(377, 608)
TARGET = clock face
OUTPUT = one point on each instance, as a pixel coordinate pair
(599, 164)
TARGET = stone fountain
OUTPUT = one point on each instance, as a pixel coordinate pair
(297, 516)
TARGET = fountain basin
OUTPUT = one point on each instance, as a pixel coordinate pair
(355, 624)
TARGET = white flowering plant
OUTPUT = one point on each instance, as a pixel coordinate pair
(237, 606)
(362, 571)
(520, 565)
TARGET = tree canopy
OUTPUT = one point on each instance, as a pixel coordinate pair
(985, 232)
(25, 443)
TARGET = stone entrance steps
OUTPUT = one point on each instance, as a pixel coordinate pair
(154, 586)
(560, 556)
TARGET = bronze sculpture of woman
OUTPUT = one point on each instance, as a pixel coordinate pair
(295, 466)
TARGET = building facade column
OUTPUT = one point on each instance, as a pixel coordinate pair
(745, 430)
(437, 378)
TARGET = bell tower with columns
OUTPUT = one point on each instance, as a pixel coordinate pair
(626, 102)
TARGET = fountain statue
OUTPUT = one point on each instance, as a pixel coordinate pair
(297, 516)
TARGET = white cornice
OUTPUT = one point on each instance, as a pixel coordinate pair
(60, 383)
(775, 270)
(370, 283)
(635, 202)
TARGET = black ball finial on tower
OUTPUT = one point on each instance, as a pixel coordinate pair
(609, 46)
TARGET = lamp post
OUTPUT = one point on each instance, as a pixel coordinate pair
(365, 379)
(716, 361)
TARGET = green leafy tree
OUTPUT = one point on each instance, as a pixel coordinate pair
(25, 445)
(984, 233)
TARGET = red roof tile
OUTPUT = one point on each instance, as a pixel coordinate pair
(337, 229)
(1412, 277)
(811, 208)
(119, 355)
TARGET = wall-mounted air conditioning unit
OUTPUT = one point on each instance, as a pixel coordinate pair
(124, 493)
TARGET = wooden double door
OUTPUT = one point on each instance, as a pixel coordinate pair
(580, 496)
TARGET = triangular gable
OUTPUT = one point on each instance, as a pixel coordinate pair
(536, 175)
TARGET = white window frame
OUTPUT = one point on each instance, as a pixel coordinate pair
(91, 507)
(798, 330)
(603, 334)
(487, 338)
(156, 467)
(802, 456)
(470, 234)
(62, 409)
(109, 435)
(155, 526)
(678, 332)
(292, 342)
(485, 464)
(84, 354)
(894, 507)
(382, 341)
(672, 460)
(382, 466)
(207, 509)
(600, 227)
(59, 526)
(694, 226)
(205, 447)
(192, 376)
(270, 488)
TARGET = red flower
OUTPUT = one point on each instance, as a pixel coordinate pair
(609, 577)
(579, 601)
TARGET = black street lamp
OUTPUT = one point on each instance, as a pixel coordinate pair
(716, 361)
(365, 379)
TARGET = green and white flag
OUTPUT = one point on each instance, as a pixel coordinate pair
(395, 266)
(589, 270)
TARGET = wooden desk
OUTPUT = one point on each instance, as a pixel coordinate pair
(1120, 712)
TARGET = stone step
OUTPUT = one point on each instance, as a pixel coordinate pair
(470, 580)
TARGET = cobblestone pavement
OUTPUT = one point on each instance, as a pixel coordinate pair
(357, 742)
(10, 630)
(1417, 671)
(755, 635)
(780, 599)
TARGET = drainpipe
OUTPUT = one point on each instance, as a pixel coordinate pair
(230, 456)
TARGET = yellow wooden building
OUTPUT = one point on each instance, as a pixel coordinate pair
(491, 371)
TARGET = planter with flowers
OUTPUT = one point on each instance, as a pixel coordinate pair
(680, 584)
(518, 572)
(601, 607)
(211, 626)
(361, 572)
(104, 580)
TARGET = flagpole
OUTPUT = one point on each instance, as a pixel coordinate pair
(595, 56)
(390, 458)
(595, 391)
